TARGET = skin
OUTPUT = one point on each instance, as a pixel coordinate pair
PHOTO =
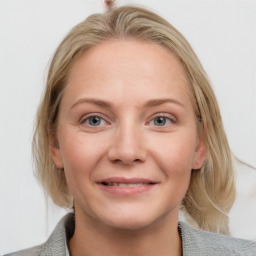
(128, 84)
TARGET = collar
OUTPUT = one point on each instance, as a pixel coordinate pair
(57, 243)
(194, 241)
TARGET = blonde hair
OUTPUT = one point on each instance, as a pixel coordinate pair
(211, 192)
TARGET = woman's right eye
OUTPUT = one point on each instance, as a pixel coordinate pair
(94, 121)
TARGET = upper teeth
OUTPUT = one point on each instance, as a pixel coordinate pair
(123, 184)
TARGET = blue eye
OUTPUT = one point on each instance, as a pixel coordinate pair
(161, 121)
(95, 121)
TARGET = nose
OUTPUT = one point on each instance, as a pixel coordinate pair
(127, 146)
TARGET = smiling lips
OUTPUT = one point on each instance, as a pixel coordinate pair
(124, 186)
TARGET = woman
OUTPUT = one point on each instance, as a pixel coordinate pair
(129, 134)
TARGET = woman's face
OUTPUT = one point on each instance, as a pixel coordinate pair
(127, 134)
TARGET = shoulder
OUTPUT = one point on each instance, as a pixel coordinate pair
(57, 242)
(199, 243)
(34, 251)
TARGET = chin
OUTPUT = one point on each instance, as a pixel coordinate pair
(129, 223)
(130, 220)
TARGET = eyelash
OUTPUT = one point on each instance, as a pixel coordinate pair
(167, 118)
(94, 115)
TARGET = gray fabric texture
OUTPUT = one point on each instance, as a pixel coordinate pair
(194, 242)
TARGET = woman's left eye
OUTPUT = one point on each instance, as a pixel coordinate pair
(161, 121)
(94, 121)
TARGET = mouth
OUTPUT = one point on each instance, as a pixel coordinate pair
(126, 186)
(115, 184)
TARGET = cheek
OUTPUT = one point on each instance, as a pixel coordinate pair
(174, 157)
(80, 157)
(80, 154)
(175, 154)
(78, 147)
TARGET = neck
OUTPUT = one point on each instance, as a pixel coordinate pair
(92, 238)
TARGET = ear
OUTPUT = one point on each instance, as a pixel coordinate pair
(200, 152)
(56, 153)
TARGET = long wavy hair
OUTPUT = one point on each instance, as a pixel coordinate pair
(211, 191)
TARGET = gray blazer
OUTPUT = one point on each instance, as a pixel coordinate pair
(194, 242)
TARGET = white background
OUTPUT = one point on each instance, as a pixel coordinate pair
(223, 34)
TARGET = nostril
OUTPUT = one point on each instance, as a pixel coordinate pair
(126, 151)
(117, 160)
(126, 161)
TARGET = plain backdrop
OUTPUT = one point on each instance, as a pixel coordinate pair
(222, 33)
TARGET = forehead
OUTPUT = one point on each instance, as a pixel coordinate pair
(120, 68)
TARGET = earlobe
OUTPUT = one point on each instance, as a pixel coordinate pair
(56, 154)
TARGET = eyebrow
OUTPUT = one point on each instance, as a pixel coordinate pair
(157, 102)
(97, 102)
(150, 103)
